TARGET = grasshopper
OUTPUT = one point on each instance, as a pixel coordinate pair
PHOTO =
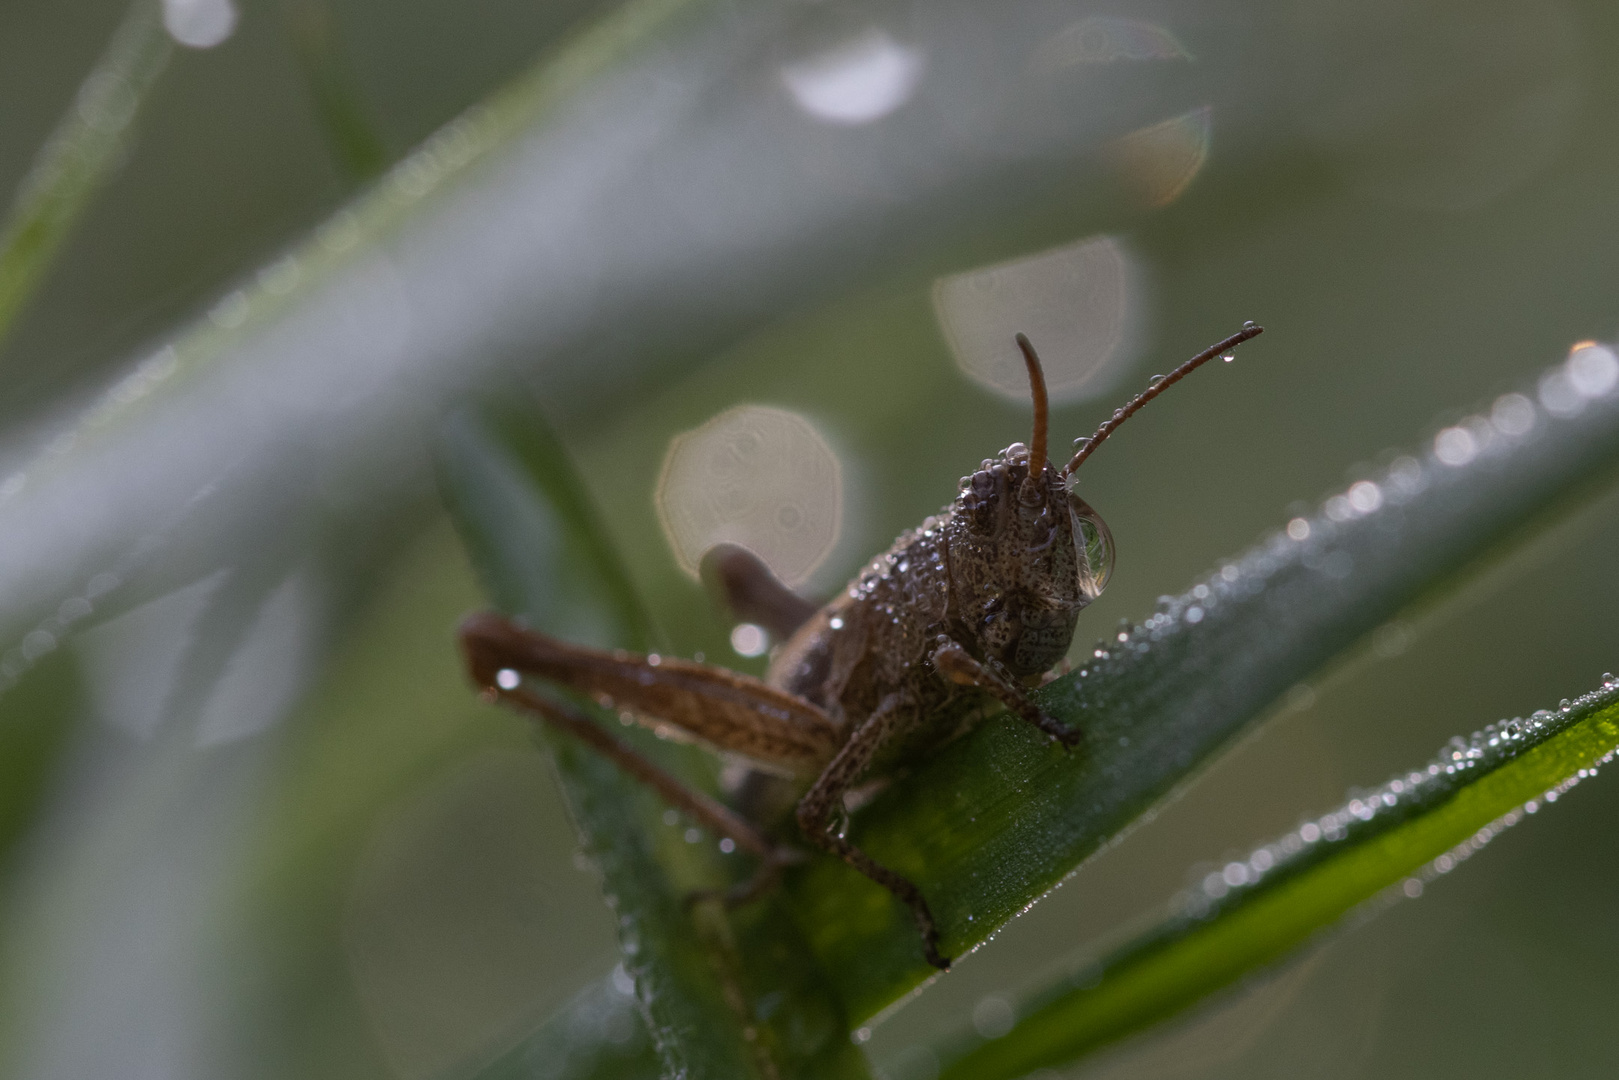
(974, 606)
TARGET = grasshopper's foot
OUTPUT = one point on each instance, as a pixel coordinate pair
(1070, 737)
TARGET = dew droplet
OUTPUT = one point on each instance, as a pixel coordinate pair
(1228, 357)
(1608, 680)
(1249, 325)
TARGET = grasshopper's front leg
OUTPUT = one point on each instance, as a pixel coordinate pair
(954, 663)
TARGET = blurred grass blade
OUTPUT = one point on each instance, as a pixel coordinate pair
(596, 1036)
(536, 542)
(1001, 816)
(1253, 913)
(529, 447)
(355, 145)
(647, 194)
(87, 146)
(520, 544)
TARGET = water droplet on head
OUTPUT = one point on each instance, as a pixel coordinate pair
(1228, 357)
(1249, 325)
(507, 679)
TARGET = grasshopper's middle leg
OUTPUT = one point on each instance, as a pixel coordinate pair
(815, 816)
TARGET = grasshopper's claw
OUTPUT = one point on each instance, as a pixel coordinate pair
(1071, 737)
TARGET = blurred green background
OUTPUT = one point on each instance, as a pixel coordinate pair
(375, 877)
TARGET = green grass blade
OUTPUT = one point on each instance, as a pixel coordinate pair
(1403, 835)
(1001, 816)
(519, 542)
(356, 147)
(85, 149)
(527, 441)
(722, 997)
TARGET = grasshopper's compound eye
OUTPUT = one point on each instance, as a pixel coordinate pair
(1095, 546)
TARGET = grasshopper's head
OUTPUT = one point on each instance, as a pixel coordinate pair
(1026, 553)
(1026, 557)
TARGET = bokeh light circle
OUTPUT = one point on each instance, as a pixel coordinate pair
(758, 476)
(1079, 304)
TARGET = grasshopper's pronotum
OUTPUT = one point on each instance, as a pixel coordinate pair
(979, 602)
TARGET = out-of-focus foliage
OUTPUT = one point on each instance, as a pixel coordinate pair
(77, 158)
(256, 825)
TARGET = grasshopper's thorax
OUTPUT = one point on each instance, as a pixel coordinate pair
(1026, 556)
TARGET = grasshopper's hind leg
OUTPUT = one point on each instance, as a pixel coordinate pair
(747, 587)
(816, 808)
(715, 815)
(731, 710)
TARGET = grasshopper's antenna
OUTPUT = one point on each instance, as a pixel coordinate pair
(1249, 330)
(1037, 387)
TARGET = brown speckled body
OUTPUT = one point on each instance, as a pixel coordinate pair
(977, 603)
(1000, 576)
